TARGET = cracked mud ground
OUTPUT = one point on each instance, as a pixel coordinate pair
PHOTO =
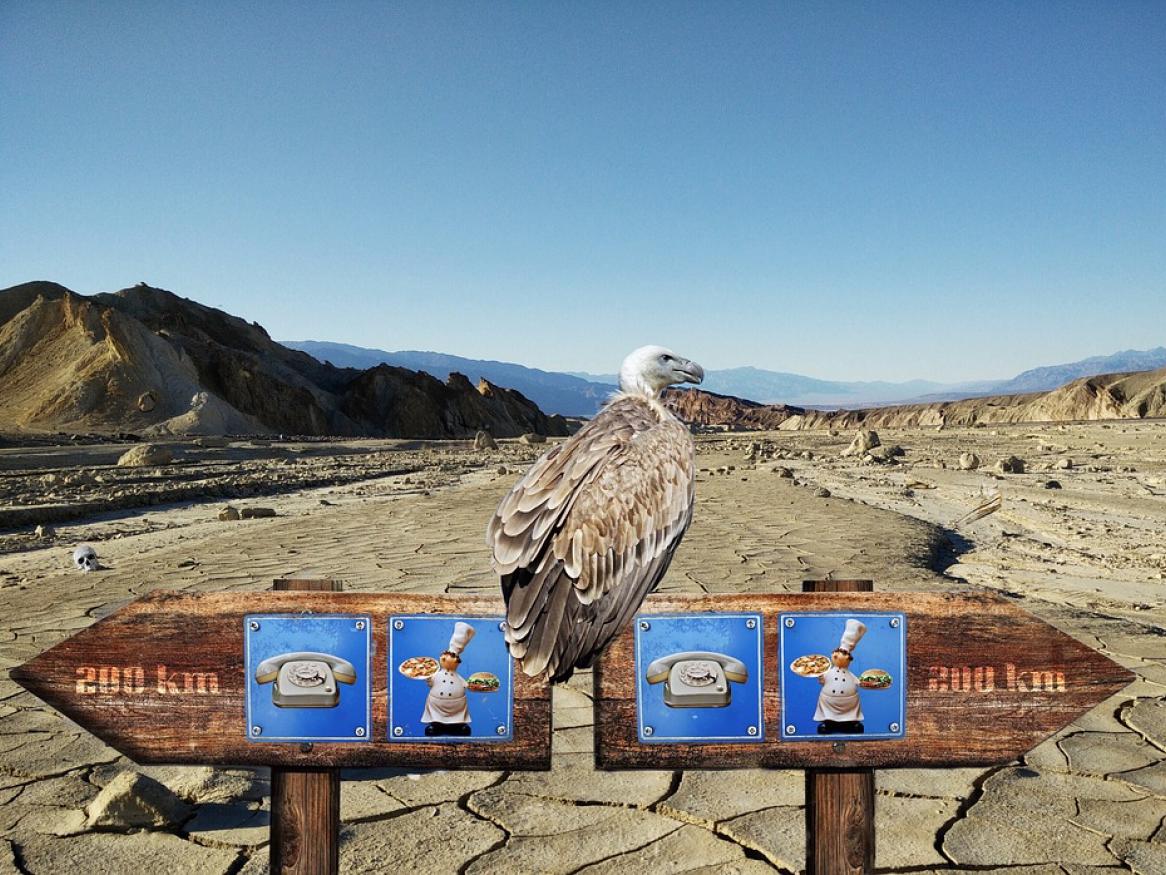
(1089, 558)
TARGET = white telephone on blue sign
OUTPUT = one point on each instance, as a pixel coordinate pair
(697, 678)
(304, 679)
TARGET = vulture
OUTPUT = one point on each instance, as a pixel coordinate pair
(591, 528)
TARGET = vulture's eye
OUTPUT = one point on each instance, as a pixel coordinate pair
(665, 358)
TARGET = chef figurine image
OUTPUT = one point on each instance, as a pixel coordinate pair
(839, 710)
(447, 711)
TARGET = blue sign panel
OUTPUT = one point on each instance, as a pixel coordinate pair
(307, 677)
(450, 679)
(843, 676)
(698, 677)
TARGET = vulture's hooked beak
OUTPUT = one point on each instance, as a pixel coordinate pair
(691, 371)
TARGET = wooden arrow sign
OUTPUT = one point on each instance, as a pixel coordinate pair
(166, 680)
(984, 682)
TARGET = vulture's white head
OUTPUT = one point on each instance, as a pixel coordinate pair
(651, 369)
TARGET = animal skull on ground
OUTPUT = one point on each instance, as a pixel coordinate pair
(85, 558)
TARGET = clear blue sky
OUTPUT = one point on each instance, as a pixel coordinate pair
(847, 190)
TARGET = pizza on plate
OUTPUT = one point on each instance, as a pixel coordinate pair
(418, 667)
(811, 665)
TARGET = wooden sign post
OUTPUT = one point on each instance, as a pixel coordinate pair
(840, 833)
(305, 803)
(306, 680)
(977, 682)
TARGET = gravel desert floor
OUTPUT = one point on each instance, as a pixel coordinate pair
(1079, 539)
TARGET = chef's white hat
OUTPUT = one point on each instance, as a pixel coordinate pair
(854, 631)
(462, 633)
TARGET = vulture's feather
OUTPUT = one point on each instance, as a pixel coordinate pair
(590, 531)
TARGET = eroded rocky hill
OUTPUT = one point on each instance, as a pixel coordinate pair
(146, 360)
(1140, 395)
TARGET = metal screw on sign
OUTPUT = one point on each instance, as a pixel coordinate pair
(502, 626)
(256, 730)
(750, 623)
(501, 730)
(789, 622)
(360, 625)
(398, 624)
(894, 727)
(254, 626)
(360, 732)
(397, 730)
(644, 625)
(894, 622)
(791, 730)
(752, 730)
(648, 730)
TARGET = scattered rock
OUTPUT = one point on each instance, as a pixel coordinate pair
(1065, 464)
(822, 492)
(969, 461)
(533, 438)
(886, 454)
(1052, 484)
(211, 442)
(43, 531)
(254, 513)
(483, 440)
(147, 402)
(131, 800)
(1010, 465)
(228, 514)
(144, 455)
(783, 472)
(864, 441)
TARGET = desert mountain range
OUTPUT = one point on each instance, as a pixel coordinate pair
(1139, 395)
(582, 394)
(145, 360)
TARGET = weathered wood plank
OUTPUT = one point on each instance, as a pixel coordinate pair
(1033, 679)
(182, 643)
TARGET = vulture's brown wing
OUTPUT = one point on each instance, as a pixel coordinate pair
(589, 532)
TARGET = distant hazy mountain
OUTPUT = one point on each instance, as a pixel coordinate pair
(551, 391)
(1053, 376)
(778, 387)
(579, 393)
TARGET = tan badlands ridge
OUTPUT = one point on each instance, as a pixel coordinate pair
(1139, 395)
(146, 360)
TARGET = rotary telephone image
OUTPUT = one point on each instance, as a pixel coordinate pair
(304, 679)
(697, 678)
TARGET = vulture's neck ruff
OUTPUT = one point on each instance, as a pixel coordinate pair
(648, 371)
